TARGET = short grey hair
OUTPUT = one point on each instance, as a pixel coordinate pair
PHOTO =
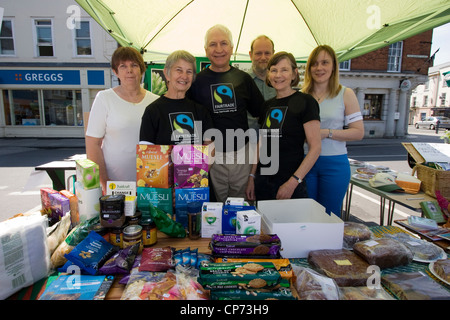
(221, 28)
(177, 55)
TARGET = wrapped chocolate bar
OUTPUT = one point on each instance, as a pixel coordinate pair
(237, 245)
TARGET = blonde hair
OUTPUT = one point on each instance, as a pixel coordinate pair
(333, 84)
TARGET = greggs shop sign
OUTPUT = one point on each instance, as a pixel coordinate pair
(49, 77)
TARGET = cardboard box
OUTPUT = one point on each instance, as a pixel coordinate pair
(211, 219)
(190, 166)
(183, 197)
(87, 173)
(248, 222)
(60, 206)
(229, 216)
(302, 225)
(88, 201)
(127, 188)
(161, 198)
(154, 167)
(45, 200)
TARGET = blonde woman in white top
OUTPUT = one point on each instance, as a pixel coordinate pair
(340, 121)
(115, 118)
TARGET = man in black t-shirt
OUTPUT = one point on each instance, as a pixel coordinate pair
(228, 93)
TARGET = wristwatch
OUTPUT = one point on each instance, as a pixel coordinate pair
(297, 178)
(330, 134)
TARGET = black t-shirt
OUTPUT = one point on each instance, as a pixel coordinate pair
(283, 119)
(228, 96)
(172, 121)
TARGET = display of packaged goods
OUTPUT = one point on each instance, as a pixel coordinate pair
(154, 166)
(432, 210)
(127, 188)
(248, 222)
(355, 232)
(161, 198)
(229, 214)
(73, 203)
(190, 166)
(283, 266)
(258, 246)
(281, 293)
(183, 197)
(423, 223)
(45, 200)
(344, 266)
(242, 275)
(384, 252)
(211, 219)
(87, 173)
(414, 286)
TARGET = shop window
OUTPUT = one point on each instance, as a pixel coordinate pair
(62, 107)
(6, 38)
(44, 39)
(372, 106)
(26, 107)
(345, 65)
(83, 39)
(21, 107)
(395, 57)
(442, 97)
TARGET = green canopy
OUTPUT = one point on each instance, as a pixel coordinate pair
(351, 27)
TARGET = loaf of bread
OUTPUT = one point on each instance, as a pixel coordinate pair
(384, 252)
(442, 269)
(414, 286)
(344, 266)
(422, 250)
(355, 232)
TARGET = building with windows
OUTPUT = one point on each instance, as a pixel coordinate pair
(54, 58)
(383, 81)
(432, 98)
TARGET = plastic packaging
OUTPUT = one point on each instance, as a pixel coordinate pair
(194, 219)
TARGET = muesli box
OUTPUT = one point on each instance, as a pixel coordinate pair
(190, 166)
(154, 167)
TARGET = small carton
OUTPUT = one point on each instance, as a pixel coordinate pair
(88, 201)
(130, 205)
(183, 197)
(160, 198)
(87, 173)
(45, 200)
(154, 167)
(248, 222)
(73, 201)
(234, 201)
(60, 206)
(302, 225)
(190, 166)
(211, 219)
(127, 188)
(229, 216)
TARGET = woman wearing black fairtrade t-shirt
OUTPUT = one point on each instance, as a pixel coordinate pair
(171, 119)
(291, 117)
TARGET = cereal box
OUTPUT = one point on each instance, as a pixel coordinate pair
(190, 166)
(154, 166)
(160, 198)
(183, 197)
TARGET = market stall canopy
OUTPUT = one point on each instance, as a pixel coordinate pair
(351, 27)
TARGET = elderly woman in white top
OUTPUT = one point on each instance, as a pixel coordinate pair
(115, 118)
(340, 121)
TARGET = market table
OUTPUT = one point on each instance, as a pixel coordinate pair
(56, 170)
(410, 201)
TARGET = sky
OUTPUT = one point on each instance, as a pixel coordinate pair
(441, 41)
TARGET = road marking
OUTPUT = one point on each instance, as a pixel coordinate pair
(3, 187)
(25, 193)
(399, 212)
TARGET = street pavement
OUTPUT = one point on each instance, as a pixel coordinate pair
(20, 183)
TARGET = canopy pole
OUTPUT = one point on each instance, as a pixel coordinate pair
(240, 31)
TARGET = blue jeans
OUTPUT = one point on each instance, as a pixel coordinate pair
(328, 181)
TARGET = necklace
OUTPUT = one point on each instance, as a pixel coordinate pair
(320, 99)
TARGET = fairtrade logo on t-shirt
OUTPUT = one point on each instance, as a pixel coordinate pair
(183, 127)
(223, 98)
(274, 121)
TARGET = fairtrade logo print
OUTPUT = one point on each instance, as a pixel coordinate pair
(275, 118)
(221, 91)
(183, 120)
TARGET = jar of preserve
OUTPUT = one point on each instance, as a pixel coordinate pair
(132, 234)
(149, 236)
(116, 237)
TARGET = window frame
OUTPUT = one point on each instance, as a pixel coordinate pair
(11, 20)
(36, 43)
(74, 40)
(343, 63)
(398, 55)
